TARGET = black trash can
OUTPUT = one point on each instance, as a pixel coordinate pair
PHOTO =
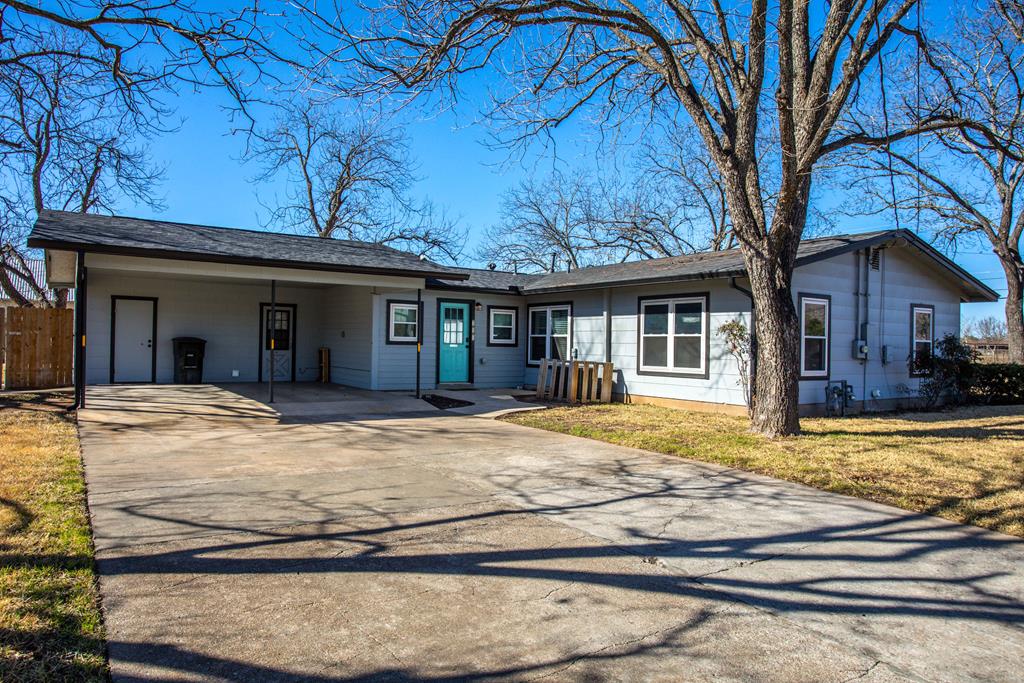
(188, 360)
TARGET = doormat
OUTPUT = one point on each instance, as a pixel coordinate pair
(444, 403)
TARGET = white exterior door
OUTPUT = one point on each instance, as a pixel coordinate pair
(133, 340)
(279, 360)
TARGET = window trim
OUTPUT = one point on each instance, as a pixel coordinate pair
(389, 338)
(514, 310)
(914, 308)
(705, 298)
(547, 344)
(827, 300)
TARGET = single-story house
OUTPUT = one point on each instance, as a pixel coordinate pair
(868, 303)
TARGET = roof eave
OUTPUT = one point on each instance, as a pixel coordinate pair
(707, 275)
(444, 287)
(63, 245)
(978, 290)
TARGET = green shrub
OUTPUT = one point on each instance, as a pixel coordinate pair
(951, 369)
(998, 383)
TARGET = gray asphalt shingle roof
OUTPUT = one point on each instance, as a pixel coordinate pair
(699, 266)
(155, 238)
(485, 280)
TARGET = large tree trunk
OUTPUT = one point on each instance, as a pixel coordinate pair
(777, 382)
(1014, 310)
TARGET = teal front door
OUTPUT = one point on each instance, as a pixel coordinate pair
(453, 342)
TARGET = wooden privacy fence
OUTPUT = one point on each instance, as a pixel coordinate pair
(36, 347)
(575, 381)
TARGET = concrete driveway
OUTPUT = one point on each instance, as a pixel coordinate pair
(371, 539)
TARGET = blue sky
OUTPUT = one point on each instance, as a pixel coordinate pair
(207, 182)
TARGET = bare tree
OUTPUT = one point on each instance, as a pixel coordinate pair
(967, 184)
(548, 223)
(133, 56)
(351, 181)
(147, 48)
(764, 85)
(65, 143)
(988, 329)
(671, 203)
(677, 171)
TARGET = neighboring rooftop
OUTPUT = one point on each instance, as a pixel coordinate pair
(163, 239)
(37, 268)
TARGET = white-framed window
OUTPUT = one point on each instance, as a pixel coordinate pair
(815, 319)
(673, 335)
(922, 339)
(501, 326)
(549, 328)
(403, 322)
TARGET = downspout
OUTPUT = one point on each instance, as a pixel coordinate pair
(419, 336)
(753, 338)
(607, 325)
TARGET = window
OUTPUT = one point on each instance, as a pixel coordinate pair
(673, 335)
(922, 339)
(282, 330)
(815, 319)
(549, 332)
(501, 326)
(403, 322)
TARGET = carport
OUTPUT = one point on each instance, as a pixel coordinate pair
(265, 303)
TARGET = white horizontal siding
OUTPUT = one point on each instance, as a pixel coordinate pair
(904, 277)
(223, 313)
(588, 339)
(493, 366)
(347, 330)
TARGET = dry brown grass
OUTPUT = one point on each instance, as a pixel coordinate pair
(50, 625)
(966, 465)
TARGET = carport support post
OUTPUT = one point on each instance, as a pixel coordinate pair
(272, 332)
(79, 353)
(419, 336)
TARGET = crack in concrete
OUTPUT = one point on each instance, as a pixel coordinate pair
(863, 673)
(587, 655)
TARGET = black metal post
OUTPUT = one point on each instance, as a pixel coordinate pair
(79, 352)
(419, 336)
(272, 331)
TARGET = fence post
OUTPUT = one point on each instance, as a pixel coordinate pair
(574, 377)
(542, 377)
(606, 383)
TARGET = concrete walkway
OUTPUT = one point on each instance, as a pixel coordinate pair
(236, 542)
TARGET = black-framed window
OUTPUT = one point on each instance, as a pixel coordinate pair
(673, 334)
(815, 335)
(403, 322)
(280, 330)
(550, 332)
(502, 326)
(922, 339)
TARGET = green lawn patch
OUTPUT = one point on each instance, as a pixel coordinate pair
(50, 623)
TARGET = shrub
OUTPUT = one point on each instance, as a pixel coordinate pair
(998, 383)
(952, 370)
